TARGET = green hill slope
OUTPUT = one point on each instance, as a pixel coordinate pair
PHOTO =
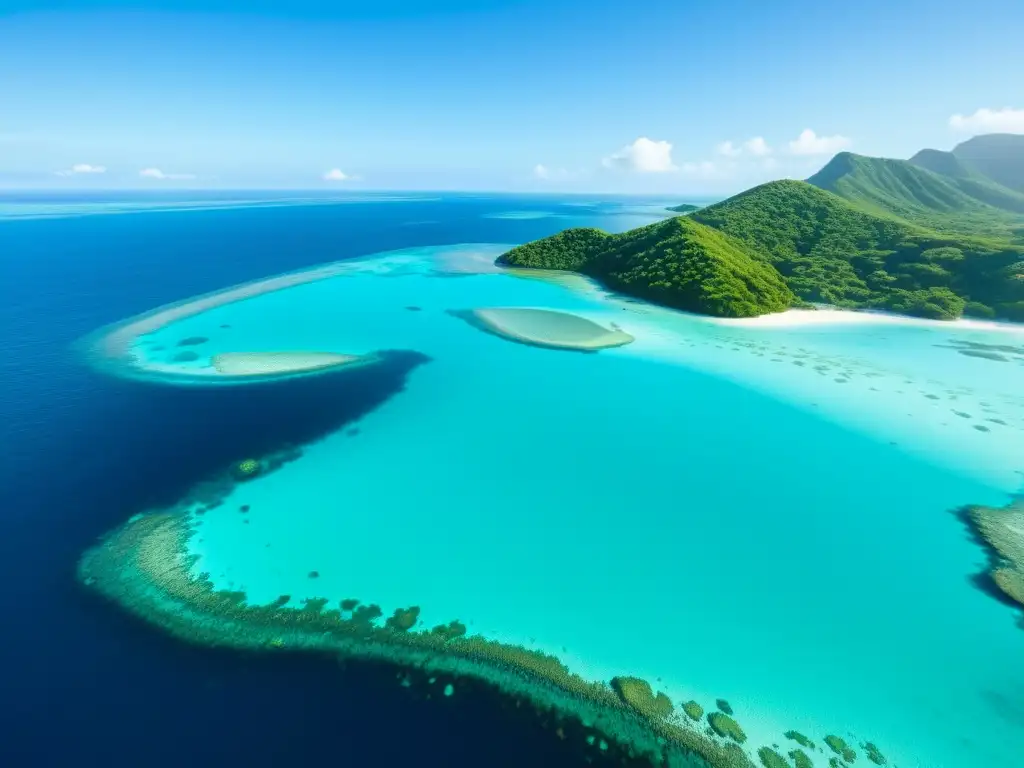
(961, 201)
(829, 250)
(997, 156)
(942, 163)
(678, 263)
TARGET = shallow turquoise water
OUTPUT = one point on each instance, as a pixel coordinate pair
(759, 514)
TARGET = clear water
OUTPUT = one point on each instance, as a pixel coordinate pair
(749, 513)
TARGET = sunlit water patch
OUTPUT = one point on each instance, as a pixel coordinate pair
(35, 209)
(519, 215)
(759, 514)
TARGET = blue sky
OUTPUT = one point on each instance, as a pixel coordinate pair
(560, 95)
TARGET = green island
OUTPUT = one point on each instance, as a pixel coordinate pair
(684, 208)
(927, 237)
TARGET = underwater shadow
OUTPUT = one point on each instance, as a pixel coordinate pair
(156, 442)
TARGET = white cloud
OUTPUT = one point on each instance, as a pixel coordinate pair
(810, 143)
(1005, 120)
(728, 149)
(336, 174)
(541, 172)
(82, 168)
(156, 173)
(757, 146)
(644, 156)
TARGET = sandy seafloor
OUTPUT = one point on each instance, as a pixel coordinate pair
(729, 510)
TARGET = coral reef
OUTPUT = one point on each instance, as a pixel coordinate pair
(799, 738)
(723, 706)
(726, 727)
(1001, 532)
(191, 341)
(143, 567)
(403, 619)
(451, 630)
(247, 468)
(771, 759)
(637, 693)
(800, 759)
(873, 753)
(693, 710)
(841, 748)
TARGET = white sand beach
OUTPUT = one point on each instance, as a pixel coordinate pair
(805, 317)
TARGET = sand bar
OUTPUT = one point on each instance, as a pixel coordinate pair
(545, 328)
(278, 363)
(117, 342)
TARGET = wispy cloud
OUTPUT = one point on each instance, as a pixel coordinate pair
(336, 174)
(728, 149)
(985, 120)
(544, 173)
(643, 156)
(810, 143)
(78, 168)
(156, 173)
(757, 147)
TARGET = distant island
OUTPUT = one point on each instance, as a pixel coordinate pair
(684, 208)
(938, 236)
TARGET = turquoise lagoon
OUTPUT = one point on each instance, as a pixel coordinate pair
(725, 509)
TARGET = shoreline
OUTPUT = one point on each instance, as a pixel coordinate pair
(803, 318)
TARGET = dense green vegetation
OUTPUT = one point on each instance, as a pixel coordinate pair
(678, 262)
(830, 251)
(933, 189)
(933, 237)
(684, 208)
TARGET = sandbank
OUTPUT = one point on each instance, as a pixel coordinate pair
(545, 328)
(116, 343)
(277, 363)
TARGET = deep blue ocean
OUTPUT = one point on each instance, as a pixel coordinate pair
(83, 682)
